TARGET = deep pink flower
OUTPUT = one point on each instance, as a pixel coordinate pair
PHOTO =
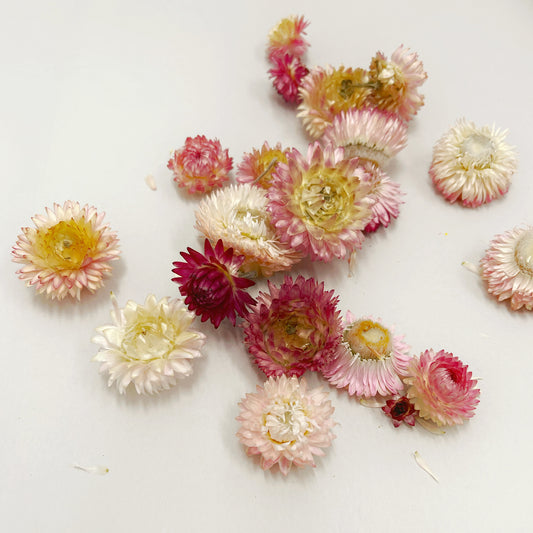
(294, 328)
(441, 388)
(287, 75)
(211, 284)
(200, 165)
(400, 410)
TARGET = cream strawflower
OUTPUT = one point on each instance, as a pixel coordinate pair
(508, 267)
(149, 345)
(68, 250)
(370, 360)
(472, 165)
(285, 423)
(238, 216)
(368, 133)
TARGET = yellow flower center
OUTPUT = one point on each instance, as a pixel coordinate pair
(67, 244)
(346, 88)
(477, 151)
(326, 198)
(524, 253)
(265, 165)
(368, 340)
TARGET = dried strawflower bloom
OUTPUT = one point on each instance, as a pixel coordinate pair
(149, 345)
(400, 410)
(385, 194)
(287, 76)
(371, 134)
(326, 92)
(441, 388)
(238, 216)
(508, 267)
(472, 165)
(287, 37)
(370, 360)
(319, 205)
(200, 165)
(211, 284)
(294, 328)
(396, 82)
(68, 250)
(257, 166)
(285, 423)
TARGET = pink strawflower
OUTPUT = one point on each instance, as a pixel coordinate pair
(200, 165)
(441, 388)
(319, 204)
(211, 284)
(69, 250)
(400, 410)
(257, 166)
(368, 133)
(287, 75)
(386, 197)
(294, 328)
(370, 360)
(287, 37)
(472, 165)
(508, 267)
(396, 82)
(285, 423)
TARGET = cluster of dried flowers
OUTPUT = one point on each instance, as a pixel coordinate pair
(285, 206)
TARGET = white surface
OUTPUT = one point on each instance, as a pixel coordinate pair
(94, 96)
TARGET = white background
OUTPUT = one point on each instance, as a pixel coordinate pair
(94, 96)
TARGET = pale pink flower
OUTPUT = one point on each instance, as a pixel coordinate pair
(285, 423)
(257, 166)
(472, 165)
(319, 204)
(508, 267)
(396, 82)
(368, 133)
(294, 328)
(400, 410)
(370, 360)
(68, 250)
(200, 165)
(385, 194)
(287, 37)
(441, 388)
(287, 75)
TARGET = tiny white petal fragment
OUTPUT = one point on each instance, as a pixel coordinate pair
(150, 181)
(430, 426)
(372, 402)
(422, 464)
(351, 264)
(470, 266)
(98, 469)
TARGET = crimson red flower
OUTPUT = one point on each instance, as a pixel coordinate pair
(287, 75)
(211, 284)
(400, 410)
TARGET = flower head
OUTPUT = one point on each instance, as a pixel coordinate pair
(319, 205)
(371, 134)
(508, 267)
(294, 328)
(257, 166)
(287, 76)
(326, 92)
(286, 423)
(472, 165)
(370, 360)
(68, 250)
(441, 388)
(396, 82)
(287, 37)
(237, 215)
(200, 165)
(386, 197)
(211, 285)
(400, 410)
(149, 345)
